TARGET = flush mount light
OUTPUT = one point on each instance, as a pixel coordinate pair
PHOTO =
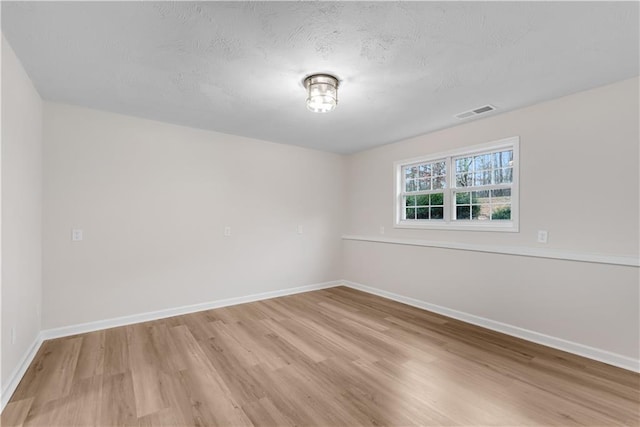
(322, 92)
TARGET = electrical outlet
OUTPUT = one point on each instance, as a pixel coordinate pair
(300, 230)
(227, 231)
(76, 235)
(381, 230)
(13, 335)
(543, 236)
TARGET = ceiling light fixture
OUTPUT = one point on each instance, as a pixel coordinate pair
(322, 92)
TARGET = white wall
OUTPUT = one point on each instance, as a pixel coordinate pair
(578, 180)
(21, 212)
(153, 200)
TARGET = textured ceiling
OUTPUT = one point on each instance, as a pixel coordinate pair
(236, 67)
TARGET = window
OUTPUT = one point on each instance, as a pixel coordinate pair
(475, 188)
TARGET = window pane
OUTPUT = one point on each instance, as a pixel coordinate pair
(463, 165)
(410, 201)
(424, 184)
(422, 213)
(503, 159)
(439, 182)
(437, 199)
(480, 196)
(463, 198)
(482, 162)
(422, 200)
(439, 168)
(482, 178)
(501, 197)
(437, 213)
(505, 192)
(410, 185)
(410, 213)
(501, 212)
(464, 180)
(424, 171)
(504, 175)
(463, 212)
(411, 172)
(481, 212)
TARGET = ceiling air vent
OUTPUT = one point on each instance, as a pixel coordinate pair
(475, 112)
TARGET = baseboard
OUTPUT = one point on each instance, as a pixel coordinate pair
(547, 340)
(176, 311)
(16, 376)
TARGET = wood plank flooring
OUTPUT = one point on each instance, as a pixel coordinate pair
(336, 357)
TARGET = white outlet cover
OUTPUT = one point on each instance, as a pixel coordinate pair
(76, 235)
(543, 236)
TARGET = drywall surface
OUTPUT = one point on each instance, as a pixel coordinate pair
(578, 181)
(21, 212)
(153, 201)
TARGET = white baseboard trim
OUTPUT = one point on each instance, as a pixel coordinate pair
(536, 337)
(18, 373)
(66, 331)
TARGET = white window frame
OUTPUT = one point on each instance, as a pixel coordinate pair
(512, 143)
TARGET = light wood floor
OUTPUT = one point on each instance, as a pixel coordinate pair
(335, 357)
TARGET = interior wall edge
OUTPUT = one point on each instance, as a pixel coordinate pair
(597, 354)
(21, 225)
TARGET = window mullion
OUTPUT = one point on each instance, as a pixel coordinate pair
(449, 185)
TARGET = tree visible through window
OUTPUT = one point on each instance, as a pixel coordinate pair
(474, 187)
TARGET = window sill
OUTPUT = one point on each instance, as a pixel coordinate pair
(506, 226)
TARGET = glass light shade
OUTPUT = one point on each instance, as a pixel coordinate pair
(322, 93)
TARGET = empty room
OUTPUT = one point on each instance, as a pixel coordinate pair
(320, 213)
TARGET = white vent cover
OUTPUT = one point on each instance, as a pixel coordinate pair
(475, 112)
